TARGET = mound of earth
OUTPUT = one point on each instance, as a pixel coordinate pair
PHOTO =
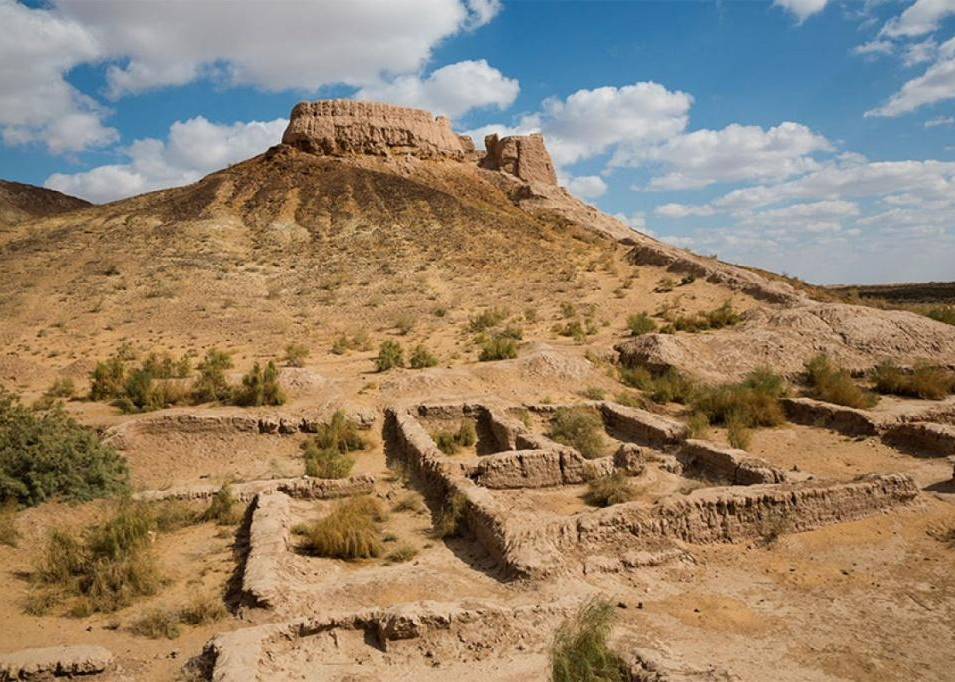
(20, 202)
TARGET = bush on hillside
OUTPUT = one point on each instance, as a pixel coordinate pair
(641, 323)
(421, 358)
(261, 387)
(211, 384)
(925, 381)
(390, 354)
(833, 384)
(295, 355)
(47, 454)
(498, 347)
(580, 428)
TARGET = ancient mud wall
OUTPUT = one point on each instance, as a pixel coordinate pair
(736, 467)
(268, 545)
(303, 488)
(344, 127)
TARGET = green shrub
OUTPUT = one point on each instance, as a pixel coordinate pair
(390, 355)
(224, 508)
(498, 347)
(211, 384)
(48, 454)
(486, 319)
(593, 393)
(580, 428)
(446, 442)
(339, 433)
(580, 652)
(421, 358)
(450, 520)
(326, 462)
(724, 316)
(609, 490)
(697, 425)
(663, 387)
(835, 385)
(105, 569)
(925, 381)
(107, 378)
(166, 367)
(466, 435)
(295, 355)
(664, 285)
(261, 387)
(753, 401)
(641, 323)
(156, 624)
(347, 532)
(168, 515)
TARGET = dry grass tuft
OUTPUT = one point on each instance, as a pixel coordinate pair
(833, 384)
(348, 532)
(580, 652)
(609, 490)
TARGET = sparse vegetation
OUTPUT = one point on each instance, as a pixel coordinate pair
(738, 432)
(498, 347)
(211, 384)
(449, 442)
(825, 381)
(723, 316)
(609, 490)
(580, 428)
(450, 520)
(104, 569)
(665, 285)
(580, 652)
(47, 454)
(202, 608)
(421, 358)
(390, 354)
(593, 393)
(224, 508)
(401, 553)
(295, 355)
(156, 624)
(326, 455)
(8, 524)
(924, 381)
(640, 324)
(487, 319)
(61, 388)
(944, 314)
(348, 532)
(661, 387)
(750, 403)
(261, 387)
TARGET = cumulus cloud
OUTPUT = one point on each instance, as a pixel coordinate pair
(735, 153)
(591, 122)
(802, 9)
(587, 186)
(683, 211)
(37, 48)
(919, 18)
(304, 46)
(192, 149)
(451, 90)
(274, 47)
(935, 85)
(939, 121)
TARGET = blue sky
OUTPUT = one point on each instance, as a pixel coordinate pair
(813, 137)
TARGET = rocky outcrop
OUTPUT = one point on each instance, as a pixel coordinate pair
(523, 156)
(341, 127)
(46, 662)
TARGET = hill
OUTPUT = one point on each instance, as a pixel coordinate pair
(20, 202)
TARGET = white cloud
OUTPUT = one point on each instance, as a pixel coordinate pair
(918, 53)
(935, 85)
(270, 46)
(451, 90)
(735, 153)
(591, 122)
(636, 221)
(587, 186)
(192, 149)
(683, 211)
(803, 9)
(36, 103)
(939, 121)
(875, 47)
(919, 18)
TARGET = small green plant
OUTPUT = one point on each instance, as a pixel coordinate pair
(738, 432)
(405, 322)
(295, 355)
(593, 393)
(61, 388)
(339, 433)
(261, 387)
(752, 402)
(107, 378)
(390, 354)
(498, 347)
(662, 387)
(421, 358)
(697, 425)
(609, 490)
(224, 508)
(640, 324)
(449, 442)
(466, 435)
(211, 384)
(580, 428)
(326, 462)
(446, 442)
(664, 285)
(833, 384)
(487, 319)
(348, 532)
(580, 652)
(450, 520)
